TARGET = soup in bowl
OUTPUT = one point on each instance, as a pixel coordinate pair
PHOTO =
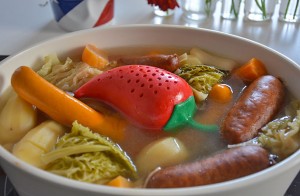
(138, 110)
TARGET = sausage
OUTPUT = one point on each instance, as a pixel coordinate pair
(226, 165)
(258, 104)
(167, 62)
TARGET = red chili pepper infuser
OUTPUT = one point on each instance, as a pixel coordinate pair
(149, 97)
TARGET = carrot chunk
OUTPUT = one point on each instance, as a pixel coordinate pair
(95, 57)
(221, 93)
(120, 182)
(251, 70)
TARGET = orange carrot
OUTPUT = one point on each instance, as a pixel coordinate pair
(62, 107)
(120, 182)
(251, 70)
(95, 57)
(221, 93)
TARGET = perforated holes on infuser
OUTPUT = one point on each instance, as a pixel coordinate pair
(168, 88)
(151, 85)
(141, 95)
(132, 90)
(155, 92)
(142, 85)
(159, 84)
(128, 81)
(154, 74)
(137, 81)
(137, 74)
(98, 79)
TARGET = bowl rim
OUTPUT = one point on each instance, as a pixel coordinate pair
(258, 177)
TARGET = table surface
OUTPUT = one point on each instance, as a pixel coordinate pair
(25, 23)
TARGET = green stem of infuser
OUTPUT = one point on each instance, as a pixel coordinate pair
(183, 116)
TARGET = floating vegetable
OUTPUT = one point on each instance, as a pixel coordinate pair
(187, 59)
(213, 60)
(161, 153)
(281, 136)
(201, 78)
(150, 97)
(67, 76)
(38, 141)
(251, 70)
(221, 93)
(86, 156)
(95, 57)
(16, 119)
(62, 107)
(120, 182)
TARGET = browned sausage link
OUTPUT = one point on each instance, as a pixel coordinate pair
(167, 62)
(227, 165)
(257, 105)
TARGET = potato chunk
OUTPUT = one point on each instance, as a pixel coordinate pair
(38, 141)
(16, 119)
(164, 152)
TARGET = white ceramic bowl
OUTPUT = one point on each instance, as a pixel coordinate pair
(30, 181)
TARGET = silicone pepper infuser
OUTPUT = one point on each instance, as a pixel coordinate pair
(149, 97)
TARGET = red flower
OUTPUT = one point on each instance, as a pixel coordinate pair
(164, 4)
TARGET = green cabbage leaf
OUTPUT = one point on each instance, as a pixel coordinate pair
(86, 156)
(201, 78)
(282, 136)
(67, 76)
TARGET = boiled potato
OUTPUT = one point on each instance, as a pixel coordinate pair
(5, 95)
(161, 153)
(37, 142)
(189, 59)
(16, 119)
(211, 59)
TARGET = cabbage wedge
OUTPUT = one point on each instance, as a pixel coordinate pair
(86, 156)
